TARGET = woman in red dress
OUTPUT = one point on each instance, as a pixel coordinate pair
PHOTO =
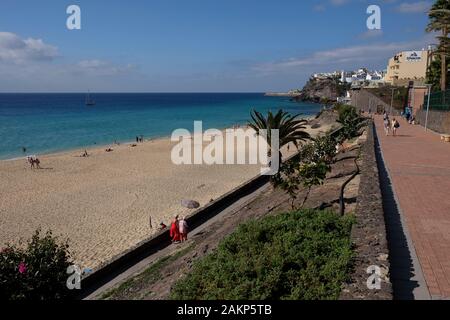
(174, 230)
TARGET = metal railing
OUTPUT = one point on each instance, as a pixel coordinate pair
(439, 100)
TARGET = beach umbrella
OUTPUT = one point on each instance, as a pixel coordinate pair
(191, 204)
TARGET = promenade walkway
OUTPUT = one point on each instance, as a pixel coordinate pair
(418, 164)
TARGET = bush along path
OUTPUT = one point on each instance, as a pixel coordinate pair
(299, 255)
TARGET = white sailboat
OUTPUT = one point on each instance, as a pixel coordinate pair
(89, 101)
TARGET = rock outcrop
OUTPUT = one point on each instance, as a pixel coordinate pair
(318, 90)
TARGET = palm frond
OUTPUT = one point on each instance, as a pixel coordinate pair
(290, 127)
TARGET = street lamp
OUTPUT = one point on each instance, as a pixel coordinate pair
(428, 107)
(392, 100)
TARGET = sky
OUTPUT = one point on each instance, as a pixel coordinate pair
(197, 45)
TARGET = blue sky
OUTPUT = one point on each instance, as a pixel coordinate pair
(197, 45)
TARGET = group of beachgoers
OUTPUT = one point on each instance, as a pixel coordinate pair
(178, 230)
(390, 125)
(139, 139)
(34, 162)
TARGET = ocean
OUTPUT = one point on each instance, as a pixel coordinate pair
(48, 123)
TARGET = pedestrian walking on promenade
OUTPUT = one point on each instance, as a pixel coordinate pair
(395, 126)
(387, 125)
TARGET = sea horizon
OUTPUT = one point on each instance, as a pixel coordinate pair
(47, 123)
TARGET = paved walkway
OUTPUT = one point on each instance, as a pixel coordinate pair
(419, 166)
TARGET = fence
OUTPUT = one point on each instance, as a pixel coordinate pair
(439, 100)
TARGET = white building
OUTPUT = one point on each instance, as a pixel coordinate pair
(375, 76)
(361, 76)
(346, 100)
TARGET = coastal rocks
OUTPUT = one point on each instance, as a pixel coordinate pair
(324, 118)
(319, 90)
(190, 204)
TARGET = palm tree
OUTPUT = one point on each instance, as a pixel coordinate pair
(440, 21)
(434, 73)
(352, 125)
(290, 128)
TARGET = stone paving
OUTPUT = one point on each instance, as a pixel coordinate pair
(419, 166)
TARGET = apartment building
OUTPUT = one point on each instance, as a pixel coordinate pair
(407, 66)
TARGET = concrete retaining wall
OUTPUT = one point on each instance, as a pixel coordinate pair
(362, 100)
(438, 121)
(369, 233)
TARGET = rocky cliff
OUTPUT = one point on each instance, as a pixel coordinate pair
(318, 90)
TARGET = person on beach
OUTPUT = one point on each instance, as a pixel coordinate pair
(37, 163)
(395, 126)
(174, 230)
(34, 162)
(183, 228)
(31, 162)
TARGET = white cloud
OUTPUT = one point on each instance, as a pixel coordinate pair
(319, 7)
(97, 67)
(30, 64)
(92, 64)
(370, 34)
(16, 50)
(323, 6)
(339, 2)
(69, 77)
(358, 54)
(414, 7)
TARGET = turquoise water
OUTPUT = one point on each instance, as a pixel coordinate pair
(46, 123)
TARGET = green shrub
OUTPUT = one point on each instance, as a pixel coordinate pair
(324, 149)
(351, 122)
(307, 170)
(37, 272)
(297, 255)
(344, 110)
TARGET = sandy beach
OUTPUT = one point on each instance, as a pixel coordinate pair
(103, 203)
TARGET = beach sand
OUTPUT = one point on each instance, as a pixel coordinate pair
(103, 203)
